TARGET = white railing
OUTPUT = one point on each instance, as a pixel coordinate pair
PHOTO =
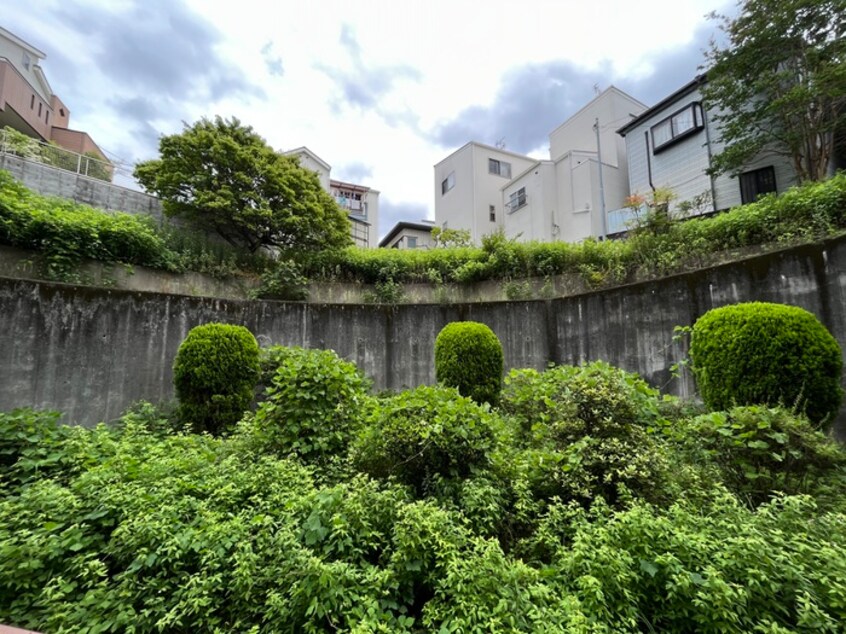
(18, 144)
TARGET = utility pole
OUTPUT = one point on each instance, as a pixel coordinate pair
(601, 184)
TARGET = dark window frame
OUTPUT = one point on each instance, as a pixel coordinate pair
(498, 170)
(448, 183)
(698, 125)
(756, 183)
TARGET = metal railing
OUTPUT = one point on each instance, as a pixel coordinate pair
(18, 144)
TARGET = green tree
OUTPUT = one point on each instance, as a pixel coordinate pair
(222, 176)
(779, 84)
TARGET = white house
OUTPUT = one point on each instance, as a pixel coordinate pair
(409, 235)
(561, 198)
(468, 187)
(670, 145)
(360, 202)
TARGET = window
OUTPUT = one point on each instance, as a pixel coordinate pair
(516, 200)
(32, 102)
(756, 183)
(677, 126)
(492, 213)
(411, 242)
(500, 168)
(39, 109)
(26, 61)
(47, 117)
(448, 183)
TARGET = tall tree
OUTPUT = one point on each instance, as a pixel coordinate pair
(223, 177)
(779, 85)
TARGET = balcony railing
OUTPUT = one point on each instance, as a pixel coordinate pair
(18, 144)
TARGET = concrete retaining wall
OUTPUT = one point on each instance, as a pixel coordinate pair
(52, 181)
(91, 352)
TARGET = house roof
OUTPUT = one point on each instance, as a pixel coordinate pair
(664, 103)
(402, 224)
(304, 150)
(605, 94)
(29, 48)
(490, 148)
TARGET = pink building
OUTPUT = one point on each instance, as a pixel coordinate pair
(28, 104)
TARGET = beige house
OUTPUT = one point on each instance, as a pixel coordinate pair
(567, 197)
(409, 235)
(360, 202)
(28, 104)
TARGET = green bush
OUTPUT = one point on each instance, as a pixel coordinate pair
(313, 404)
(468, 356)
(761, 451)
(760, 353)
(425, 434)
(585, 433)
(215, 372)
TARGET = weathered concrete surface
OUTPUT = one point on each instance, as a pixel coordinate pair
(52, 181)
(91, 352)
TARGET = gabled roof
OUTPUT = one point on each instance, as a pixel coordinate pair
(664, 103)
(29, 48)
(304, 150)
(419, 226)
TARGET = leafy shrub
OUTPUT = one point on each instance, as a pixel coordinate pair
(586, 433)
(282, 280)
(313, 404)
(760, 353)
(468, 356)
(425, 434)
(215, 371)
(761, 451)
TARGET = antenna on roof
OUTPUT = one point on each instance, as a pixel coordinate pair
(500, 145)
(596, 90)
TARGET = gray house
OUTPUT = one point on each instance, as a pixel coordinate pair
(671, 145)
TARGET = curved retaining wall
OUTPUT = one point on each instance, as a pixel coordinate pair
(90, 352)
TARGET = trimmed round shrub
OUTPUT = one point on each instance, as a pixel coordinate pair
(426, 434)
(313, 405)
(215, 371)
(773, 354)
(468, 356)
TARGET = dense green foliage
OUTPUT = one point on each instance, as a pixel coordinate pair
(223, 177)
(760, 353)
(777, 84)
(140, 528)
(468, 356)
(214, 373)
(67, 233)
(810, 212)
(584, 433)
(312, 406)
(425, 435)
(803, 213)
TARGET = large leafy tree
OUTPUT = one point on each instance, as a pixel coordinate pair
(222, 176)
(779, 83)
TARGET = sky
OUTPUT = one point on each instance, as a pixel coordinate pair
(381, 90)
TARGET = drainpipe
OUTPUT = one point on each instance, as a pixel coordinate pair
(708, 147)
(648, 159)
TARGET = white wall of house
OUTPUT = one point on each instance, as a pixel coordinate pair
(531, 212)
(26, 59)
(613, 108)
(474, 190)
(682, 165)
